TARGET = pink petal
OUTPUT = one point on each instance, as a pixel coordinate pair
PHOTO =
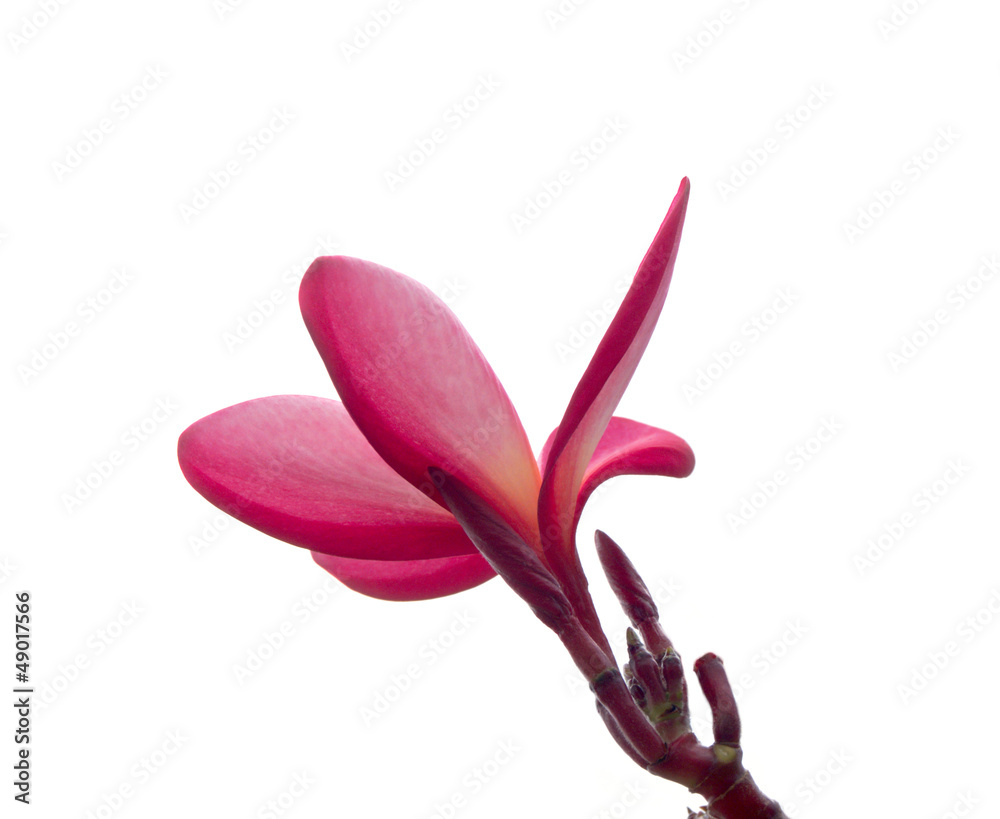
(417, 386)
(604, 382)
(408, 579)
(630, 448)
(297, 468)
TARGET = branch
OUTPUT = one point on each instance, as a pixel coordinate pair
(658, 687)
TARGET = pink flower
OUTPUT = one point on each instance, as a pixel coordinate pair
(350, 480)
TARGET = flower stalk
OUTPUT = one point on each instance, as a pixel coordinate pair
(645, 707)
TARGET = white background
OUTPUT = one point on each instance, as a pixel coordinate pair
(822, 641)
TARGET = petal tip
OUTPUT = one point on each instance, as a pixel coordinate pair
(321, 267)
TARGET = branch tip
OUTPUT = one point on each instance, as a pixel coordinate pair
(719, 693)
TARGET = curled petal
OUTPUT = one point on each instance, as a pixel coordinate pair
(297, 468)
(604, 382)
(630, 448)
(408, 579)
(417, 386)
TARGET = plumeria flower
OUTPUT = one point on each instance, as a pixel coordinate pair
(349, 481)
(422, 483)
